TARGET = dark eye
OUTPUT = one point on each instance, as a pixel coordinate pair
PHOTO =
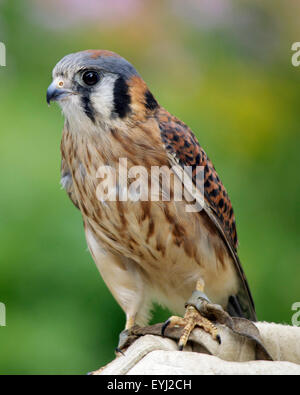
(90, 77)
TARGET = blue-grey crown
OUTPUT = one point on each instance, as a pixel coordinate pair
(102, 59)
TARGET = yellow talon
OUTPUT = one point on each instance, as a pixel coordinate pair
(192, 318)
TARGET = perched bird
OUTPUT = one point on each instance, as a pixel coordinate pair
(146, 251)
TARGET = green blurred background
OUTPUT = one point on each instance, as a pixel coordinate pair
(223, 67)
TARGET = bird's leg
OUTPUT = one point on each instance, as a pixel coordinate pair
(130, 320)
(193, 317)
(125, 334)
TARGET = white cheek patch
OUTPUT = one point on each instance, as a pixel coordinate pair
(101, 103)
(102, 98)
(73, 112)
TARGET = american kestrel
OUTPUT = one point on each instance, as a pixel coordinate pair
(146, 251)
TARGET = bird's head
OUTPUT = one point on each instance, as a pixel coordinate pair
(99, 86)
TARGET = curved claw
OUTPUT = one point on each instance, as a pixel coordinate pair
(164, 327)
(118, 350)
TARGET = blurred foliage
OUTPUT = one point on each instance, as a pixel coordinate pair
(222, 67)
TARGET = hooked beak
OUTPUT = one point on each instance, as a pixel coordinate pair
(55, 93)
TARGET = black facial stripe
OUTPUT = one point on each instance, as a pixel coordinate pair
(150, 101)
(121, 98)
(87, 107)
(85, 99)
